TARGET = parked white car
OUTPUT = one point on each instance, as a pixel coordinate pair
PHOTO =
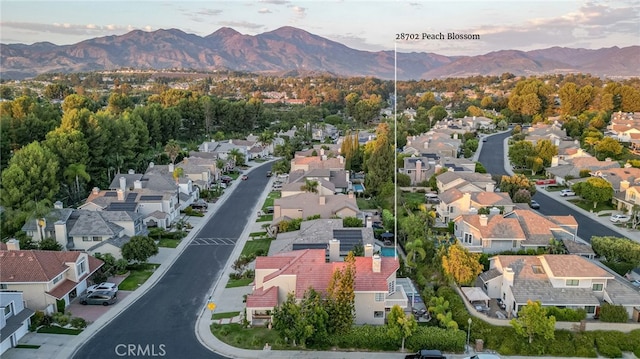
(619, 218)
(567, 192)
(104, 286)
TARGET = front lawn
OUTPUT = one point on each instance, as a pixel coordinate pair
(168, 243)
(138, 274)
(242, 282)
(366, 204)
(249, 338)
(265, 218)
(59, 330)
(256, 247)
(588, 205)
(268, 202)
(225, 315)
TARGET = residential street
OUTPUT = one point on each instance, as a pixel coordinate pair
(493, 157)
(164, 317)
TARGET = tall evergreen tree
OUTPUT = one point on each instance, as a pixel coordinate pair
(379, 162)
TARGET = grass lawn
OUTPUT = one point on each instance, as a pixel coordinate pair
(59, 330)
(265, 218)
(252, 247)
(138, 274)
(257, 234)
(168, 243)
(365, 204)
(554, 188)
(588, 205)
(268, 202)
(27, 346)
(248, 338)
(233, 283)
(413, 196)
(224, 315)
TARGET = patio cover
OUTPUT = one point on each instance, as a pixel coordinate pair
(476, 294)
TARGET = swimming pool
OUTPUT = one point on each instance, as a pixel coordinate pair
(359, 188)
(388, 252)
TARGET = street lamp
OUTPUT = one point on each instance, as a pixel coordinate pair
(468, 334)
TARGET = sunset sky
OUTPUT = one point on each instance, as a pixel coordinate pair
(360, 24)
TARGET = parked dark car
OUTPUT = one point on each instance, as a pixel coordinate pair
(269, 173)
(426, 354)
(100, 297)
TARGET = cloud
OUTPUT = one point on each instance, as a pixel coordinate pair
(264, 10)
(299, 11)
(209, 12)
(275, 2)
(67, 28)
(241, 24)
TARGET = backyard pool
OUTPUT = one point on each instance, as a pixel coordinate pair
(388, 252)
(358, 188)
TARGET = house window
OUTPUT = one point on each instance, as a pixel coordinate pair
(3, 286)
(514, 244)
(81, 267)
(537, 269)
(378, 314)
(451, 209)
(379, 297)
(597, 287)
(7, 310)
(57, 279)
(96, 239)
(591, 309)
(572, 282)
(392, 286)
(85, 239)
(467, 238)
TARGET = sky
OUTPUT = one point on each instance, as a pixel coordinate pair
(360, 24)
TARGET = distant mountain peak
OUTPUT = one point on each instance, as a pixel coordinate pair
(224, 32)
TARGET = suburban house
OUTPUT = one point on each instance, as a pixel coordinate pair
(562, 172)
(202, 172)
(419, 169)
(328, 149)
(321, 131)
(560, 280)
(250, 149)
(620, 178)
(297, 271)
(322, 161)
(303, 205)
(625, 200)
(541, 131)
(319, 234)
(454, 203)
(44, 227)
(465, 181)
(14, 323)
(45, 277)
(519, 229)
(624, 127)
(433, 142)
(329, 182)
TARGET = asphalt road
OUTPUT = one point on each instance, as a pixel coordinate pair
(493, 159)
(162, 321)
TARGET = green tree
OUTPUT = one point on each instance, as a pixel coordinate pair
(74, 173)
(511, 184)
(608, 147)
(461, 265)
(237, 156)
(49, 244)
(30, 177)
(437, 113)
(310, 186)
(594, 189)
(400, 325)
(545, 149)
(139, 249)
(341, 297)
(351, 222)
(617, 250)
(413, 248)
(520, 151)
(532, 321)
(172, 149)
(315, 318)
(379, 159)
(288, 321)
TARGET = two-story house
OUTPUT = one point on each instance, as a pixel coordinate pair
(303, 205)
(518, 229)
(454, 203)
(45, 277)
(15, 319)
(565, 281)
(465, 181)
(295, 272)
(626, 199)
(330, 182)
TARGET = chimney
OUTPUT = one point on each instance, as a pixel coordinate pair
(368, 222)
(418, 176)
(120, 193)
(61, 233)
(484, 220)
(322, 200)
(334, 250)
(322, 152)
(556, 142)
(13, 245)
(490, 187)
(137, 184)
(341, 160)
(95, 190)
(554, 161)
(350, 194)
(624, 185)
(131, 171)
(376, 263)
(171, 167)
(206, 147)
(58, 205)
(368, 250)
(123, 184)
(323, 157)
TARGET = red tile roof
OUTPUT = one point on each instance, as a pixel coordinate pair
(263, 298)
(38, 266)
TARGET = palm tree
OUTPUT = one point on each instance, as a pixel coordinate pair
(556, 247)
(266, 138)
(173, 150)
(73, 174)
(309, 186)
(237, 156)
(414, 247)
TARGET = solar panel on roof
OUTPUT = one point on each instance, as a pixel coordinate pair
(150, 198)
(348, 238)
(110, 194)
(301, 246)
(131, 197)
(126, 206)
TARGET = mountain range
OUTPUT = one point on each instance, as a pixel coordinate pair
(290, 49)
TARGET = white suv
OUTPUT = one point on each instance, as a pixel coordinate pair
(567, 192)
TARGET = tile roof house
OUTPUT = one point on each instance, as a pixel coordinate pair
(295, 272)
(454, 203)
(321, 161)
(14, 323)
(574, 165)
(307, 204)
(46, 276)
(465, 181)
(519, 229)
(329, 182)
(433, 142)
(561, 280)
(626, 199)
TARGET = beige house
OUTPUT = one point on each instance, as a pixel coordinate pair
(322, 161)
(625, 200)
(465, 181)
(45, 277)
(565, 281)
(454, 203)
(295, 272)
(307, 204)
(329, 182)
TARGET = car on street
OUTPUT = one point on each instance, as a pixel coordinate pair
(426, 354)
(484, 139)
(101, 297)
(635, 283)
(619, 218)
(567, 192)
(483, 356)
(534, 204)
(104, 287)
(245, 177)
(269, 173)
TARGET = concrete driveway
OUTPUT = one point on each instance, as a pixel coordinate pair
(91, 313)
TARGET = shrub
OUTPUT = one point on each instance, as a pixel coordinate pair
(613, 313)
(566, 314)
(351, 222)
(37, 320)
(61, 319)
(78, 323)
(61, 305)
